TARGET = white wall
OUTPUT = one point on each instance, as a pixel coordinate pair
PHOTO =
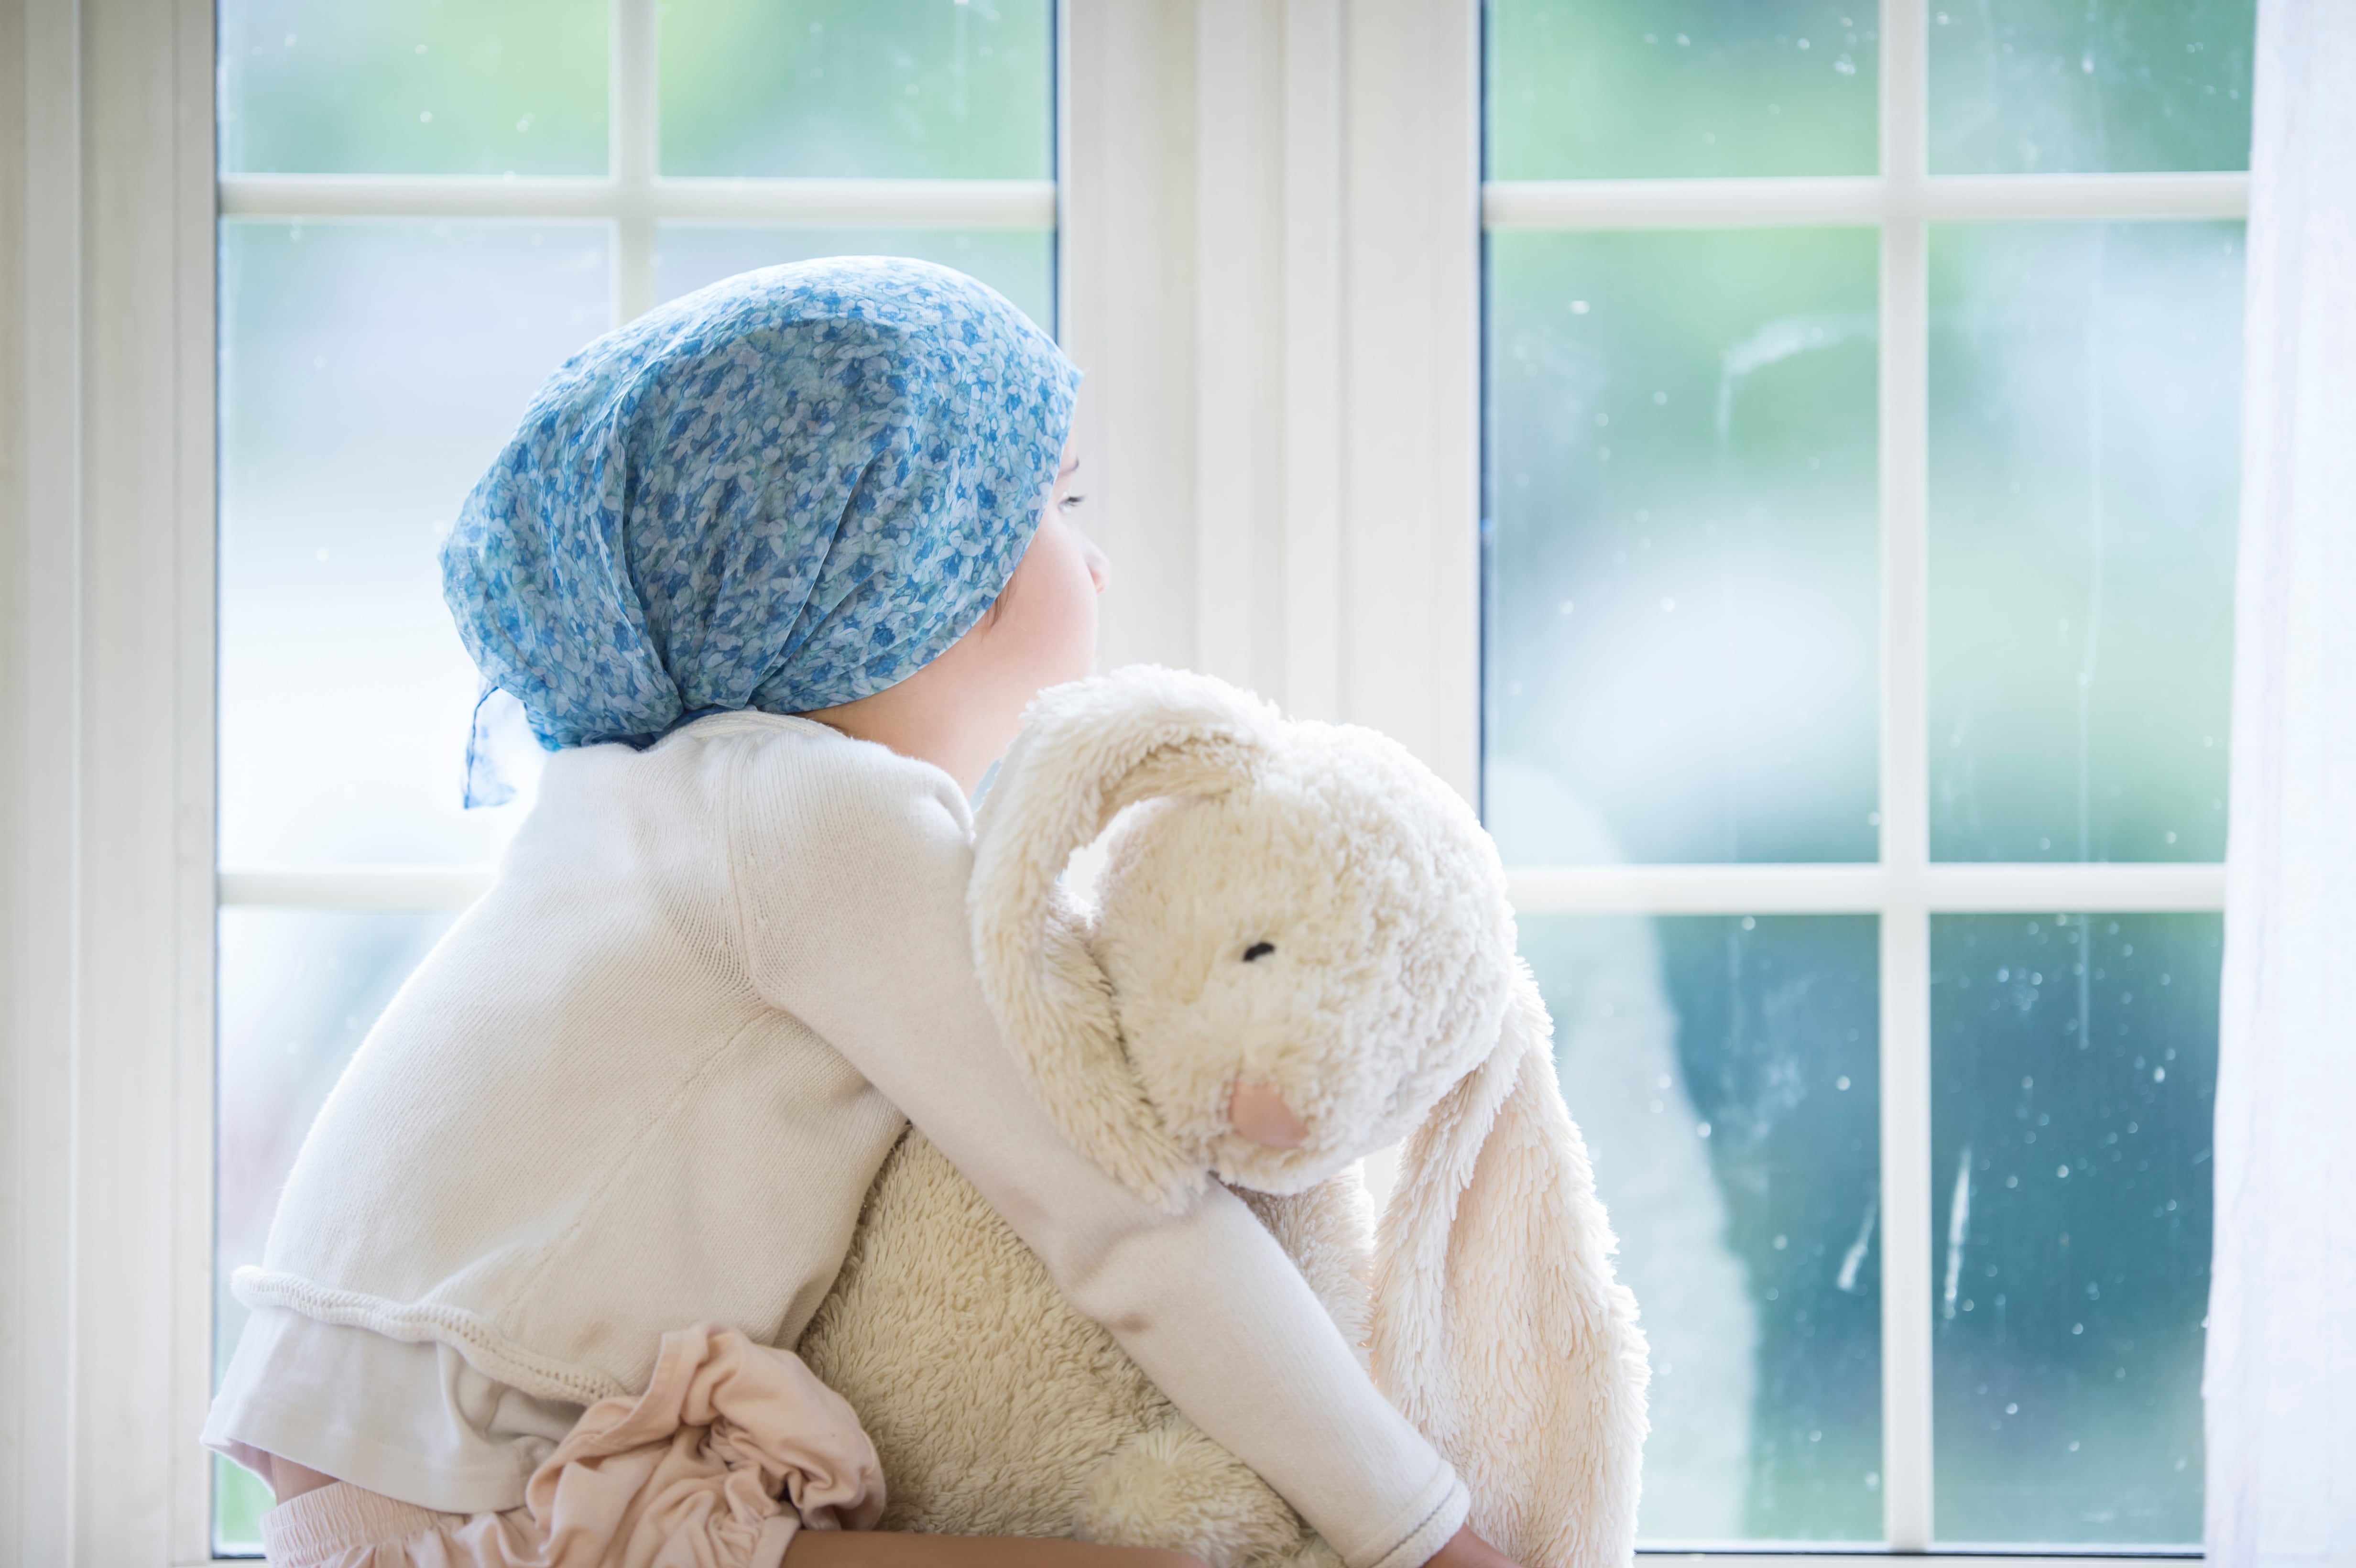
(105, 798)
(1283, 444)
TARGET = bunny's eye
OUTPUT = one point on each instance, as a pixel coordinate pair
(1259, 950)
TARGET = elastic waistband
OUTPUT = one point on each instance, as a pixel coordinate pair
(329, 1521)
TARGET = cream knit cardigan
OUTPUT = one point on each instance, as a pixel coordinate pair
(646, 1080)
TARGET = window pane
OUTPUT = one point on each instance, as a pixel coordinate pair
(871, 88)
(1682, 614)
(1018, 262)
(2074, 1060)
(1616, 89)
(2084, 435)
(368, 373)
(412, 87)
(298, 990)
(2064, 85)
(1723, 1071)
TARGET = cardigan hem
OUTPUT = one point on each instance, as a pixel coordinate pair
(490, 1352)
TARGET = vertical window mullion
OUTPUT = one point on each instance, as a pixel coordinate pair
(636, 133)
(1905, 794)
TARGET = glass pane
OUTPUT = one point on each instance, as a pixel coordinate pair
(2086, 427)
(412, 87)
(1682, 614)
(1018, 262)
(1723, 1070)
(2070, 86)
(1618, 89)
(298, 990)
(2075, 1065)
(868, 89)
(368, 373)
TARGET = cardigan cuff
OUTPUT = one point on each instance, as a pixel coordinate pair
(1432, 1522)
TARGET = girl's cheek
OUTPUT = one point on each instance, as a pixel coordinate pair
(1077, 610)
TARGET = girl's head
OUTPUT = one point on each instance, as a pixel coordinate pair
(793, 492)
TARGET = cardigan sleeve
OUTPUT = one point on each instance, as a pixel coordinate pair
(852, 890)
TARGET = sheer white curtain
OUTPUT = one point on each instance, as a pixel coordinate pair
(2281, 1380)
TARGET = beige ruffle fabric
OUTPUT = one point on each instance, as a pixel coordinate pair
(733, 1447)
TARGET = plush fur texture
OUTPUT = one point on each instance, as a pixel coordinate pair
(1298, 905)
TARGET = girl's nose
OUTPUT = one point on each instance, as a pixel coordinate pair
(1099, 567)
(1259, 1113)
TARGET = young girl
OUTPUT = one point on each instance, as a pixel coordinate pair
(774, 572)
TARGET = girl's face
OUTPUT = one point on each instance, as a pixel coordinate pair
(960, 711)
(1042, 630)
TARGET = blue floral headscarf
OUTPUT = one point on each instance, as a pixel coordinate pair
(791, 489)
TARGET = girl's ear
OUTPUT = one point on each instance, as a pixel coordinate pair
(1499, 1329)
(1086, 750)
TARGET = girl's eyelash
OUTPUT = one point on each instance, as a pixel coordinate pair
(1068, 502)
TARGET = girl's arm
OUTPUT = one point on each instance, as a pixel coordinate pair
(858, 928)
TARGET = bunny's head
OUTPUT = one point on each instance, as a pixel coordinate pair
(1301, 951)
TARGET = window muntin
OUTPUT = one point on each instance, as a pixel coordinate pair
(1957, 453)
(424, 209)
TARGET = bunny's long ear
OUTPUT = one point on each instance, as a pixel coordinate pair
(1499, 1329)
(1086, 750)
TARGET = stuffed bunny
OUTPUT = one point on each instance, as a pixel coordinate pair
(1300, 952)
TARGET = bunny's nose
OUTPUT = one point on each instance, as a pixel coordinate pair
(1259, 1113)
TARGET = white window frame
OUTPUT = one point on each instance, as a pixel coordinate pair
(1270, 238)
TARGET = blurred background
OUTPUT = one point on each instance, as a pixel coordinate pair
(1682, 633)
